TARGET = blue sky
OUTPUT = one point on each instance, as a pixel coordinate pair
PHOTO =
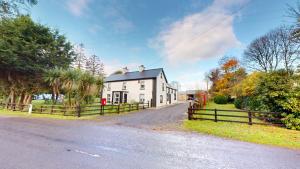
(185, 37)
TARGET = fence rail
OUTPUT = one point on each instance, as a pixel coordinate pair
(80, 110)
(237, 116)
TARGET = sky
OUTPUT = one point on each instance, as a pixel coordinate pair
(185, 37)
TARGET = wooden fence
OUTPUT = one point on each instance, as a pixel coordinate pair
(237, 116)
(14, 107)
(81, 110)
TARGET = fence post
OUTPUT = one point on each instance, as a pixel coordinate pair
(118, 108)
(250, 118)
(78, 110)
(143, 105)
(129, 107)
(137, 106)
(216, 116)
(189, 113)
(64, 110)
(51, 109)
(148, 104)
(41, 109)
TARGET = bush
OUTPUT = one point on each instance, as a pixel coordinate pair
(291, 122)
(221, 99)
(238, 103)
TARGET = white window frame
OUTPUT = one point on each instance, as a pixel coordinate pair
(142, 85)
(124, 86)
(108, 98)
(142, 98)
(108, 86)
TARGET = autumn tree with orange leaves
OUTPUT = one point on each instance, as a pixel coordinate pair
(231, 73)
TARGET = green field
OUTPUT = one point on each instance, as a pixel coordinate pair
(260, 134)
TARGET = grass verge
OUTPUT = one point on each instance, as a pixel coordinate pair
(261, 134)
(4, 112)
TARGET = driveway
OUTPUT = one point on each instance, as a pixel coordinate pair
(169, 117)
(70, 144)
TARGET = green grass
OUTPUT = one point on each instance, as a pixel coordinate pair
(4, 112)
(261, 134)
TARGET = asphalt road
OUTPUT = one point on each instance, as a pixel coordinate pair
(50, 144)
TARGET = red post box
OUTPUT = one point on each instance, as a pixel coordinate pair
(103, 101)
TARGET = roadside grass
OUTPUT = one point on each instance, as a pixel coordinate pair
(88, 113)
(4, 112)
(261, 134)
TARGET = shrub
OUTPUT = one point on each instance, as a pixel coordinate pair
(291, 122)
(221, 99)
(238, 103)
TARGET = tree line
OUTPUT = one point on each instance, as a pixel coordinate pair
(36, 59)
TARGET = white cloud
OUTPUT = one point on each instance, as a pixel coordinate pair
(110, 66)
(77, 7)
(201, 35)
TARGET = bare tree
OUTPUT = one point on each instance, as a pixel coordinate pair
(289, 47)
(94, 65)
(80, 58)
(263, 53)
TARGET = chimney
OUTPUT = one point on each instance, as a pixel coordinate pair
(125, 70)
(141, 68)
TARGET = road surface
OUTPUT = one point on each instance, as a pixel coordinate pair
(60, 144)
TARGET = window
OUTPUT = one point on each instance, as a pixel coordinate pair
(124, 86)
(161, 75)
(108, 98)
(163, 87)
(161, 99)
(108, 86)
(142, 98)
(142, 83)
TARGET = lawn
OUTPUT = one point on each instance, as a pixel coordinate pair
(260, 134)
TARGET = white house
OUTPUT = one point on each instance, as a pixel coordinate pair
(139, 86)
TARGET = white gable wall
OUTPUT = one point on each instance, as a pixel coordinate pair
(159, 90)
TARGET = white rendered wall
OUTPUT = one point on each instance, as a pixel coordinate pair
(133, 89)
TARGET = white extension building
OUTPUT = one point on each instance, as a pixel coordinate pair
(139, 86)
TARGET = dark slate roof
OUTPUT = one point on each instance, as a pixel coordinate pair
(146, 74)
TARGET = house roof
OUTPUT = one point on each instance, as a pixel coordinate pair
(136, 75)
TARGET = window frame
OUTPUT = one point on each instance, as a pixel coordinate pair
(124, 86)
(142, 98)
(161, 99)
(108, 86)
(108, 98)
(142, 83)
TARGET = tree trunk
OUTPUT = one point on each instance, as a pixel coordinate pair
(29, 99)
(21, 100)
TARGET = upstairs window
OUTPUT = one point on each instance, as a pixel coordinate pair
(163, 87)
(108, 86)
(124, 86)
(161, 75)
(142, 85)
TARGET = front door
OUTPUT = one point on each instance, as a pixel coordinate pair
(116, 97)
